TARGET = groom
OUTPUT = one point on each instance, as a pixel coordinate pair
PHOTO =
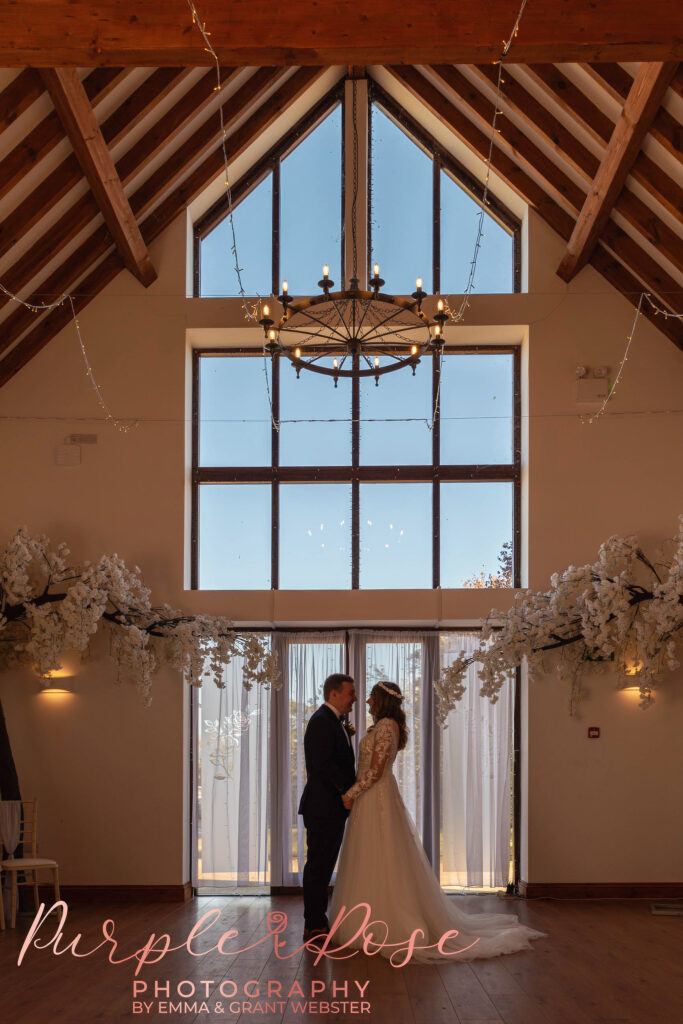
(330, 771)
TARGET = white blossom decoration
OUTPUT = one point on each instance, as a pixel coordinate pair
(621, 610)
(48, 607)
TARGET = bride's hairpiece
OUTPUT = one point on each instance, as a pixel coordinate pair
(393, 693)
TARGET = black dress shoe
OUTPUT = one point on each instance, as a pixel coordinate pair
(314, 933)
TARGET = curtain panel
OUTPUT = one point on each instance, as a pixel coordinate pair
(250, 767)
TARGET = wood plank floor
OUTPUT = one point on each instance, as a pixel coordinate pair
(603, 961)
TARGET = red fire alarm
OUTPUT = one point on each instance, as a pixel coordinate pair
(593, 732)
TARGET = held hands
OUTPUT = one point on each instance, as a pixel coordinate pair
(347, 801)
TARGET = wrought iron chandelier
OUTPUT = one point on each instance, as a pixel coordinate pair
(364, 333)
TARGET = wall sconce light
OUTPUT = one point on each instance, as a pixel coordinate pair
(52, 681)
(51, 691)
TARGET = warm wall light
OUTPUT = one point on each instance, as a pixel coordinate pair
(52, 681)
(54, 691)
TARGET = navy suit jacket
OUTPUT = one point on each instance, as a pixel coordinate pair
(330, 767)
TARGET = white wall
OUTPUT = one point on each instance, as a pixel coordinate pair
(109, 773)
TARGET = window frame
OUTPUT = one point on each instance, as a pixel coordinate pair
(441, 161)
(354, 473)
(270, 163)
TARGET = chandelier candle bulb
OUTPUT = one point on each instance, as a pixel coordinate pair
(326, 271)
(418, 284)
(376, 269)
(285, 286)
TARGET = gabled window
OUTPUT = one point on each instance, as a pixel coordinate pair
(424, 212)
(304, 485)
(287, 217)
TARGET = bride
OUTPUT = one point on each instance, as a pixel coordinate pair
(382, 862)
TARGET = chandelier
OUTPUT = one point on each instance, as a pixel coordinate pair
(355, 332)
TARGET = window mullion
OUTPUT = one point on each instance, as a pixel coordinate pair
(355, 484)
(356, 176)
(436, 491)
(275, 285)
(436, 225)
(275, 486)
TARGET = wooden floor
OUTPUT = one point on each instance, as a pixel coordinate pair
(602, 961)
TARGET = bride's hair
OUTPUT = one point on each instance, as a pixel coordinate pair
(387, 706)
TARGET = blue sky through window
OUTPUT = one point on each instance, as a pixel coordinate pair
(253, 219)
(310, 208)
(315, 536)
(476, 520)
(401, 208)
(459, 224)
(476, 391)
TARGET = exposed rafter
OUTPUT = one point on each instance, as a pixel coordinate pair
(640, 108)
(163, 131)
(160, 218)
(79, 122)
(521, 177)
(84, 33)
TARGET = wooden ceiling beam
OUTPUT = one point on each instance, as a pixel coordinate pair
(572, 100)
(510, 136)
(539, 119)
(171, 206)
(56, 185)
(587, 116)
(191, 186)
(640, 108)
(85, 33)
(552, 213)
(554, 180)
(79, 122)
(18, 96)
(85, 209)
(48, 132)
(205, 137)
(665, 129)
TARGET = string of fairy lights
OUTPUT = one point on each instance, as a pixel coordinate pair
(252, 312)
(459, 315)
(644, 296)
(47, 307)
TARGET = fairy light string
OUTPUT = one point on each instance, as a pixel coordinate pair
(644, 296)
(459, 315)
(47, 307)
(121, 425)
(254, 312)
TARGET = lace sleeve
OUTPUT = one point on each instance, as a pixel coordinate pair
(385, 738)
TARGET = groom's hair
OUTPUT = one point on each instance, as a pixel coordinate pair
(335, 682)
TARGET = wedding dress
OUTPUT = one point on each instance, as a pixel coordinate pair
(382, 863)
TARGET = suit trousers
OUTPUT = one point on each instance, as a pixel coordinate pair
(323, 842)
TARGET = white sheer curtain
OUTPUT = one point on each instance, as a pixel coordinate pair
(233, 789)
(456, 782)
(306, 660)
(396, 657)
(476, 780)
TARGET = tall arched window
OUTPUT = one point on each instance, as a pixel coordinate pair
(303, 485)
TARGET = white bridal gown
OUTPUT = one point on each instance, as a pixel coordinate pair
(382, 863)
